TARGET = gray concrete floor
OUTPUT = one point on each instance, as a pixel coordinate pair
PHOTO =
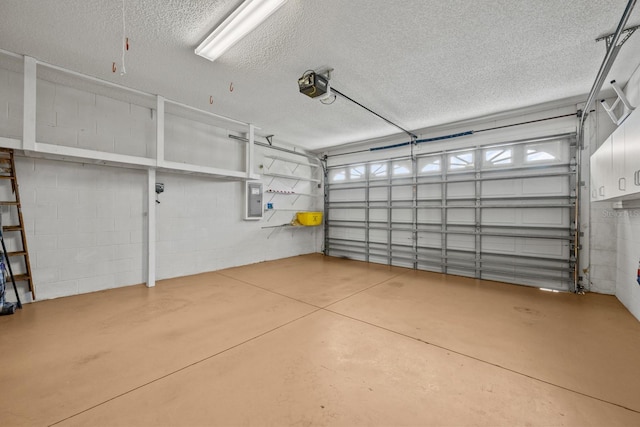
(313, 340)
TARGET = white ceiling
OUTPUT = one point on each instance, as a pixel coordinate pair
(420, 63)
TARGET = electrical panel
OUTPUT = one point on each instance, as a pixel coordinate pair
(253, 201)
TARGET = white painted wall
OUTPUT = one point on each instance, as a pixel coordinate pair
(10, 103)
(200, 226)
(86, 223)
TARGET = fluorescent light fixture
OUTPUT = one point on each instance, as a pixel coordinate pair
(241, 22)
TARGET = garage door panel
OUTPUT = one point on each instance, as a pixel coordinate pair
(347, 195)
(404, 192)
(378, 215)
(401, 215)
(339, 233)
(461, 189)
(379, 236)
(457, 271)
(544, 247)
(430, 215)
(545, 216)
(501, 188)
(499, 216)
(429, 239)
(402, 237)
(498, 244)
(456, 241)
(461, 216)
(502, 212)
(548, 186)
(347, 214)
(429, 191)
(378, 193)
(378, 259)
(347, 233)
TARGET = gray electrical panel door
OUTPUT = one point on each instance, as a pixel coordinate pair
(254, 200)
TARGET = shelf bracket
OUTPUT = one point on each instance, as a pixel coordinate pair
(621, 98)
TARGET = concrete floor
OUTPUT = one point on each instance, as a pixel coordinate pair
(313, 340)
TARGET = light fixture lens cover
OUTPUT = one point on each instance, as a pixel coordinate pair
(242, 21)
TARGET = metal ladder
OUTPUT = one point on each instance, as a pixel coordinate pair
(8, 173)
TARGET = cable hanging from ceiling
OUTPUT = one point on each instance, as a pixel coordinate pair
(125, 39)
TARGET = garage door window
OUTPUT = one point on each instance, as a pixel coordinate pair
(338, 175)
(545, 152)
(378, 170)
(356, 173)
(402, 167)
(498, 157)
(461, 161)
(429, 165)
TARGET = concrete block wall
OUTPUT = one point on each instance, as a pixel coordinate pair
(77, 118)
(200, 228)
(11, 85)
(86, 224)
(197, 143)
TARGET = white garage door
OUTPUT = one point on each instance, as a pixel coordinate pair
(503, 212)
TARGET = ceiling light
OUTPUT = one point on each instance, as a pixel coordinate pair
(243, 20)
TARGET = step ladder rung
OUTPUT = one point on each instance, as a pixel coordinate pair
(7, 203)
(7, 177)
(12, 228)
(16, 253)
(20, 277)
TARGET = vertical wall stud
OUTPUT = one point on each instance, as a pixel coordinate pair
(151, 227)
(250, 147)
(29, 112)
(160, 131)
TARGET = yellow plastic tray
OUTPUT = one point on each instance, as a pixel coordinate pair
(309, 218)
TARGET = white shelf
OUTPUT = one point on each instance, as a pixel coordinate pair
(293, 193)
(292, 177)
(290, 225)
(29, 146)
(284, 159)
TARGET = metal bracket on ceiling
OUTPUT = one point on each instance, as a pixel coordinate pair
(621, 98)
(326, 73)
(626, 33)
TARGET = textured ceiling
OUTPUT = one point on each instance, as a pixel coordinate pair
(420, 63)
